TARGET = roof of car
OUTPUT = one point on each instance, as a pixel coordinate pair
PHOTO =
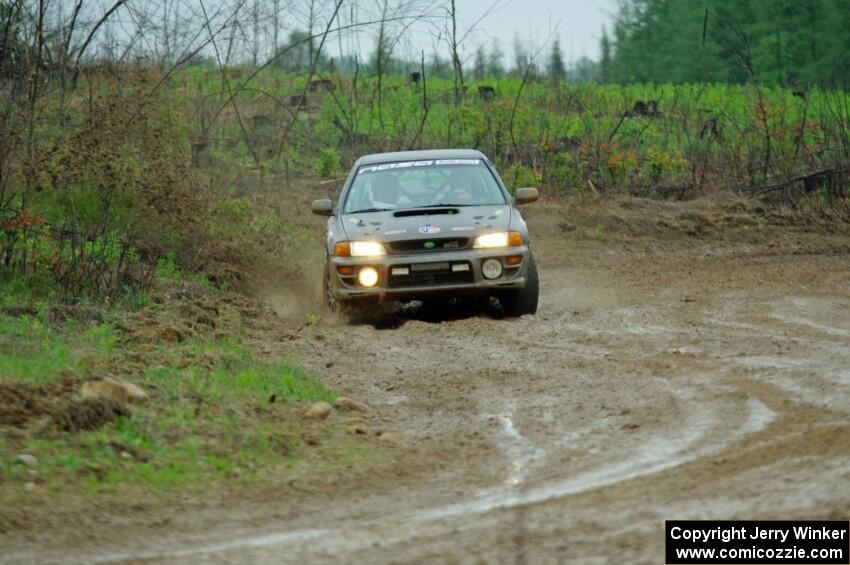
(421, 155)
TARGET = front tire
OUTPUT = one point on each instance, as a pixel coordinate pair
(524, 300)
(336, 309)
(332, 306)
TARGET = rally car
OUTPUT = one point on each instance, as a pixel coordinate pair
(422, 225)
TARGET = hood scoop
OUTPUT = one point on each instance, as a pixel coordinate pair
(425, 212)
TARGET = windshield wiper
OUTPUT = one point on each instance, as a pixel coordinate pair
(367, 210)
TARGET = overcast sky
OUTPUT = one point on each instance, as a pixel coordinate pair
(577, 23)
(420, 25)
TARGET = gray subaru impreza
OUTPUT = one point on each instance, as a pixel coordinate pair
(422, 225)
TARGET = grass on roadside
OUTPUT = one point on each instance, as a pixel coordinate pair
(217, 411)
(32, 349)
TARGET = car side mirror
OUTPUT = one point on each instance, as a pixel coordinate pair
(526, 195)
(323, 207)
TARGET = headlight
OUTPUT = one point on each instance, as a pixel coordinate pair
(368, 277)
(491, 269)
(498, 239)
(366, 249)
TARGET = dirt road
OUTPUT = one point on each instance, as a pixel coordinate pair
(659, 380)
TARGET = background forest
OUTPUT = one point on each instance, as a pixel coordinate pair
(782, 43)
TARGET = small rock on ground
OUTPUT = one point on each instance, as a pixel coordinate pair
(26, 459)
(110, 387)
(345, 403)
(318, 411)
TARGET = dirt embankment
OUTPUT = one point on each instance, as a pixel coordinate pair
(689, 360)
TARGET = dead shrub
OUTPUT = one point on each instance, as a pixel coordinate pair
(86, 414)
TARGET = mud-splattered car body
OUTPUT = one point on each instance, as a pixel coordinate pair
(416, 225)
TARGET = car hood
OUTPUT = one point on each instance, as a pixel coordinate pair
(400, 225)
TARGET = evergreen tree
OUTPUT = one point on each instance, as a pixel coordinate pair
(479, 66)
(299, 56)
(520, 56)
(583, 70)
(523, 59)
(605, 71)
(555, 68)
(495, 63)
(379, 61)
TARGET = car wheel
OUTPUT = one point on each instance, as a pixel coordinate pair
(344, 311)
(523, 301)
(331, 304)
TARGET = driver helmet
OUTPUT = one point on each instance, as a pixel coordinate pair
(464, 184)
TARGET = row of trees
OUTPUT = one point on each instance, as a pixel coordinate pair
(792, 43)
(779, 42)
(491, 62)
(550, 63)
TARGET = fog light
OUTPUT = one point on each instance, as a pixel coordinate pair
(367, 276)
(491, 269)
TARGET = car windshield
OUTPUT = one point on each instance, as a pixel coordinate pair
(418, 184)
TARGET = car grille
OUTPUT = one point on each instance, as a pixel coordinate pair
(444, 276)
(429, 245)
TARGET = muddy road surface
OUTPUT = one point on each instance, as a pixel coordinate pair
(659, 380)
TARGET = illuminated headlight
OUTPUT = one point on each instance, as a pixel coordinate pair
(366, 249)
(499, 239)
(491, 269)
(367, 276)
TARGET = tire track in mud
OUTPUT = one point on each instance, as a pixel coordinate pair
(627, 399)
(655, 455)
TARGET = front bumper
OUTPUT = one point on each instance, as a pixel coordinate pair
(425, 282)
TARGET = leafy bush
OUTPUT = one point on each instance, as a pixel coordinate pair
(242, 235)
(167, 268)
(107, 195)
(518, 176)
(328, 163)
